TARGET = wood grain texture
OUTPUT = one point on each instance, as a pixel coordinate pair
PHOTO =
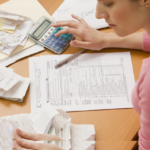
(114, 128)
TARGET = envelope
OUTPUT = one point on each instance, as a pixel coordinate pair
(29, 8)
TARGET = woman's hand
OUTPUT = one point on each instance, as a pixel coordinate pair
(20, 143)
(92, 39)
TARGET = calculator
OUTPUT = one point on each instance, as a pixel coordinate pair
(43, 33)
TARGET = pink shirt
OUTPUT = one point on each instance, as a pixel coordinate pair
(141, 98)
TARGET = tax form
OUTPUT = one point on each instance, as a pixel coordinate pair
(89, 82)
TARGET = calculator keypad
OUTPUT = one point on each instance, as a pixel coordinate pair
(56, 43)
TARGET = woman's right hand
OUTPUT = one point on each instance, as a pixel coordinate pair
(92, 39)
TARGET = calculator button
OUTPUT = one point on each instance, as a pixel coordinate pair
(59, 28)
(50, 37)
(61, 44)
(56, 37)
(69, 34)
(65, 36)
(55, 31)
(54, 45)
(48, 32)
(58, 48)
(53, 39)
(57, 42)
(64, 40)
(42, 39)
(46, 42)
(53, 34)
(60, 39)
(45, 36)
(50, 43)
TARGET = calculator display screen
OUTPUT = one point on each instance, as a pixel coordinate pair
(38, 32)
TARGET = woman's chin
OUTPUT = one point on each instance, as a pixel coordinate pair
(122, 33)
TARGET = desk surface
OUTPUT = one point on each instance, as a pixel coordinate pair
(111, 125)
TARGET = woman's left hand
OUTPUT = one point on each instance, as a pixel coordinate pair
(20, 143)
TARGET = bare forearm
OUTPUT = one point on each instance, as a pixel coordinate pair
(133, 41)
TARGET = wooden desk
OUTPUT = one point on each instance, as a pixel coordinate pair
(115, 129)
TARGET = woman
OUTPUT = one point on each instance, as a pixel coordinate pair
(125, 17)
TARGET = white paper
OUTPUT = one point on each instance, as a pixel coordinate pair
(8, 26)
(61, 124)
(11, 41)
(89, 82)
(76, 136)
(29, 51)
(43, 118)
(9, 16)
(17, 92)
(84, 9)
(36, 122)
(24, 8)
(7, 79)
(35, 78)
(81, 133)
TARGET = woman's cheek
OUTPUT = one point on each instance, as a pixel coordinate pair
(117, 17)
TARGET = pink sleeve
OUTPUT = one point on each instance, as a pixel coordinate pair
(144, 103)
(146, 42)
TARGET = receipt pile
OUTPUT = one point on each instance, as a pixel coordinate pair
(37, 122)
(57, 121)
(12, 86)
(13, 31)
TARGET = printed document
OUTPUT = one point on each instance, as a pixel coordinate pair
(89, 82)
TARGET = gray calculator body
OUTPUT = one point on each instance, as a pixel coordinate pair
(43, 33)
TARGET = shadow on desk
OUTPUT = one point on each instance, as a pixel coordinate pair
(136, 147)
(118, 145)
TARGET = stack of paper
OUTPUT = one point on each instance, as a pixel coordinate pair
(9, 22)
(37, 122)
(12, 86)
(57, 121)
(14, 31)
(24, 8)
(83, 8)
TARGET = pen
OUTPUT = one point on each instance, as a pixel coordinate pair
(61, 63)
